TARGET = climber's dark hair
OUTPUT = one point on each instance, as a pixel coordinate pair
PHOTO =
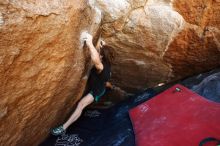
(107, 54)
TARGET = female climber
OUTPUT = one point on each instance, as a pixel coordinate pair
(97, 82)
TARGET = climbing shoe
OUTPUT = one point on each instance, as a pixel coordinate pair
(58, 131)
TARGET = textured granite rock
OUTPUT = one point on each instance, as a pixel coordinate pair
(42, 65)
(160, 40)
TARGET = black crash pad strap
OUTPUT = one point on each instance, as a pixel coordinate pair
(209, 139)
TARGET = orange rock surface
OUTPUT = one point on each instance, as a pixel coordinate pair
(158, 41)
(43, 67)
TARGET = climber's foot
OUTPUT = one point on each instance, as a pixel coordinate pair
(58, 130)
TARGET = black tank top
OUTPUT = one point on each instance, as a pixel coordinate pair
(97, 80)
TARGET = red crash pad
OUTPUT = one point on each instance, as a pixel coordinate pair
(176, 117)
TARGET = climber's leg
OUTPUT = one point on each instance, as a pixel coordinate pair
(85, 101)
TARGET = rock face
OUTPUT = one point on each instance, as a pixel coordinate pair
(160, 40)
(197, 46)
(43, 66)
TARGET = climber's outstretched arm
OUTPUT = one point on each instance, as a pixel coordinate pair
(95, 56)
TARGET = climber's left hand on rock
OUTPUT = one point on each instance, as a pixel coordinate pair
(88, 39)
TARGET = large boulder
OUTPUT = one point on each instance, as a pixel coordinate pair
(43, 66)
(157, 41)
